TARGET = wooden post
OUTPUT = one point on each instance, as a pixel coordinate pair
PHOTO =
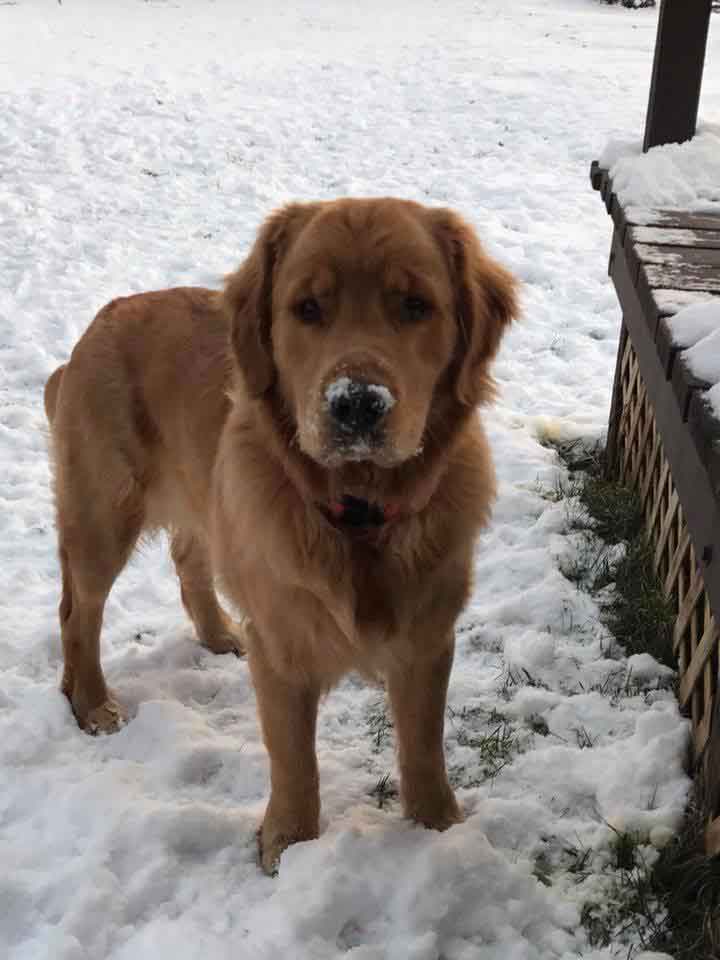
(677, 71)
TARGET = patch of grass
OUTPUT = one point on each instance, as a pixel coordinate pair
(632, 911)
(668, 902)
(514, 679)
(558, 855)
(612, 512)
(538, 725)
(585, 740)
(492, 738)
(379, 725)
(384, 791)
(638, 614)
(543, 869)
(579, 861)
(615, 512)
(624, 848)
(495, 717)
(671, 905)
(470, 715)
(621, 684)
(494, 748)
(688, 883)
(631, 4)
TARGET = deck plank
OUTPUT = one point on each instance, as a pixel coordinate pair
(676, 237)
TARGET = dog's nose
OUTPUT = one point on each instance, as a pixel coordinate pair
(358, 407)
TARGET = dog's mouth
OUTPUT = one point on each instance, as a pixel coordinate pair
(375, 451)
(365, 449)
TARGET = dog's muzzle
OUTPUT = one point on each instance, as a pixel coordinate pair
(357, 410)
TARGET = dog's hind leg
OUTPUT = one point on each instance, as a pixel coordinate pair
(96, 536)
(214, 628)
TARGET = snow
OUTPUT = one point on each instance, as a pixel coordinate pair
(671, 176)
(697, 329)
(644, 667)
(704, 356)
(672, 301)
(345, 387)
(694, 324)
(143, 144)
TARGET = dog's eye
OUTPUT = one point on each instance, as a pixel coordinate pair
(416, 308)
(309, 311)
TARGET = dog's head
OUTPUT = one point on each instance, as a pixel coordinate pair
(358, 313)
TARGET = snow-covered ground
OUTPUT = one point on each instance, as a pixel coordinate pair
(141, 143)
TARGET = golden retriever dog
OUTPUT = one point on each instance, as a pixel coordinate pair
(309, 438)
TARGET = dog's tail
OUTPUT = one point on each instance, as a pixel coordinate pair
(51, 392)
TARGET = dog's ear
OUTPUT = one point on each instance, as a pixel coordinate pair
(485, 305)
(248, 297)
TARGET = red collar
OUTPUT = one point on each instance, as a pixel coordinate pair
(357, 514)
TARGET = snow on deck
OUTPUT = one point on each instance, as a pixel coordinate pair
(142, 144)
(680, 176)
(684, 176)
(697, 329)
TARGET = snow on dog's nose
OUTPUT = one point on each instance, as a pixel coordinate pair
(356, 407)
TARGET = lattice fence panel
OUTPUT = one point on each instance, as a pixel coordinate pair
(643, 467)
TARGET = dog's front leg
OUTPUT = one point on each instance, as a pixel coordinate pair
(288, 714)
(418, 692)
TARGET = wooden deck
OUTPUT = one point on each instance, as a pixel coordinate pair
(664, 441)
(660, 262)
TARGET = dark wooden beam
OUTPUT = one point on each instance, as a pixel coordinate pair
(677, 71)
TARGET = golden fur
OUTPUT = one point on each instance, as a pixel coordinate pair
(207, 414)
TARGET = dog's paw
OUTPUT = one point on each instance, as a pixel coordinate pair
(109, 717)
(273, 839)
(229, 640)
(442, 821)
(270, 849)
(436, 811)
